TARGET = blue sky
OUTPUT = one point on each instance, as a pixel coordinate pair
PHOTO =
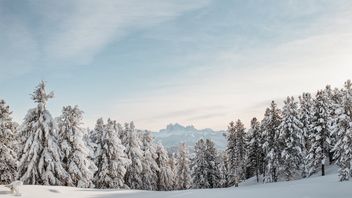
(200, 62)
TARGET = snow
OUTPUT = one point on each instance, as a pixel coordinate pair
(314, 187)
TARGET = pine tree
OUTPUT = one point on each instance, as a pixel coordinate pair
(236, 151)
(254, 149)
(199, 166)
(165, 174)
(150, 166)
(343, 130)
(332, 102)
(95, 142)
(133, 176)
(75, 156)
(224, 169)
(112, 167)
(271, 145)
(290, 136)
(183, 168)
(40, 161)
(213, 165)
(172, 163)
(8, 156)
(320, 136)
(305, 116)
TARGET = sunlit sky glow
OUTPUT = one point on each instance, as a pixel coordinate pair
(199, 62)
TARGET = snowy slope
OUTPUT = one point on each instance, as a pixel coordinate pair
(174, 134)
(315, 187)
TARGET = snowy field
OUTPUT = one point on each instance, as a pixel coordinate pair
(314, 187)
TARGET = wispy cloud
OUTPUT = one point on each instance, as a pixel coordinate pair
(75, 31)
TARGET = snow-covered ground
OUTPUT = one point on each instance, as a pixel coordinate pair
(314, 187)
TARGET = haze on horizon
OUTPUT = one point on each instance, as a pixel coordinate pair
(194, 62)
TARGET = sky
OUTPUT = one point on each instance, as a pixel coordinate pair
(194, 62)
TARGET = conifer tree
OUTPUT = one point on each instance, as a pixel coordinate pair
(134, 152)
(8, 156)
(173, 164)
(95, 137)
(112, 167)
(165, 174)
(236, 151)
(224, 169)
(199, 166)
(40, 157)
(150, 166)
(320, 135)
(183, 177)
(290, 136)
(343, 130)
(254, 149)
(213, 165)
(75, 158)
(305, 116)
(271, 145)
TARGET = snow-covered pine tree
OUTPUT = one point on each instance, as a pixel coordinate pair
(8, 156)
(213, 165)
(290, 136)
(254, 149)
(199, 166)
(332, 102)
(133, 177)
(75, 158)
(320, 135)
(183, 177)
(173, 163)
(95, 137)
(90, 149)
(40, 161)
(165, 174)
(112, 167)
(343, 130)
(271, 145)
(236, 151)
(224, 169)
(305, 115)
(150, 166)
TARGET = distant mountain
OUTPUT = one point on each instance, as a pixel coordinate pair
(174, 134)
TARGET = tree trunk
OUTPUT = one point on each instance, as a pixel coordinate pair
(322, 170)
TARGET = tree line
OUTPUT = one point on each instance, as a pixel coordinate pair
(289, 143)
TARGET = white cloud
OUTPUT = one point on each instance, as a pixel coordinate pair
(92, 25)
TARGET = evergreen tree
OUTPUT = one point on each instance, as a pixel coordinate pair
(150, 166)
(343, 131)
(320, 136)
(236, 151)
(165, 174)
(133, 176)
(305, 116)
(173, 164)
(183, 177)
(40, 157)
(224, 169)
(112, 167)
(254, 149)
(95, 142)
(271, 145)
(8, 156)
(75, 156)
(290, 136)
(199, 166)
(213, 165)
